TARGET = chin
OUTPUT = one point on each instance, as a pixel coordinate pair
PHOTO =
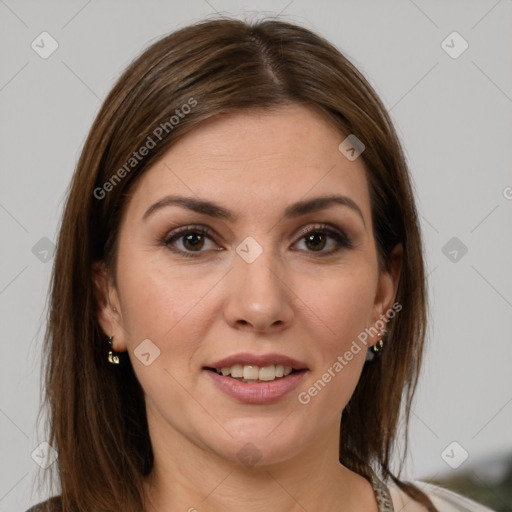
(258, 442)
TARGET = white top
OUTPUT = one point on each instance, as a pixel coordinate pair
(443, 499)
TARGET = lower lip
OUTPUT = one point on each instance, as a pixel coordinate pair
(259, 392)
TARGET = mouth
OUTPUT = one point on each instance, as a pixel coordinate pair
(256, 374)
(256, 379)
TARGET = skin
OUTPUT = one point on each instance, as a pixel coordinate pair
(292, 299)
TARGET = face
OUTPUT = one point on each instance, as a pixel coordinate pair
(248, 268)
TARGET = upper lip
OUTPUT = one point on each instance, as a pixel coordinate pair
(245, 358)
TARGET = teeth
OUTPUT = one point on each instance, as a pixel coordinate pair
(249, 373)
(267, 372)
(236, 371)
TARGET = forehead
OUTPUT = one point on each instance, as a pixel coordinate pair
(263, 158)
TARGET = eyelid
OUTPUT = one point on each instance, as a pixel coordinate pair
(340, 237)
(186, 229)
(331, 230)
(318, 227)
(181, 231)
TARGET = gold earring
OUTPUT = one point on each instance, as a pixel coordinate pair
(377, 346)
(113, 358)
(380, 343)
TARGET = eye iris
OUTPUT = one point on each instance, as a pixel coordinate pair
(315, 238)
(193, 238)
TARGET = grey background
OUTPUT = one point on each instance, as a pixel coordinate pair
(454, 118)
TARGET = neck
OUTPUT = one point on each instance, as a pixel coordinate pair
(187, 477)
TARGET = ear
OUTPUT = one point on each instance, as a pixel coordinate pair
(387, 287)
(108, 309)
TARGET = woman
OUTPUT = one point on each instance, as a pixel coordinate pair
(238, 298)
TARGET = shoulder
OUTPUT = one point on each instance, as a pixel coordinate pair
(443, 499)
(51, 505)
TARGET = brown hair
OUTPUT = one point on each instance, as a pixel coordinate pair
(96, 413)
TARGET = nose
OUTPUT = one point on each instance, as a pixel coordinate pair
(259, 298)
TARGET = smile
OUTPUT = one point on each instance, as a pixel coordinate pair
(252, 373)
(256, 378)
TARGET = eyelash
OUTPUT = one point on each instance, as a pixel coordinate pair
(340, 238)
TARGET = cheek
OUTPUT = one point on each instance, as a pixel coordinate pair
(341, 304)
(340, 357)
(153, 297)
(160, 305)
(166, 304)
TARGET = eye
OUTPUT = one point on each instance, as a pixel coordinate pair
(317, 238)
(192, 239)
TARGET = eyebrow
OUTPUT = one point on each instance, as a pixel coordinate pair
(213, 209)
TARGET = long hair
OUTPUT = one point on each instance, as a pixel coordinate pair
(96, 412)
